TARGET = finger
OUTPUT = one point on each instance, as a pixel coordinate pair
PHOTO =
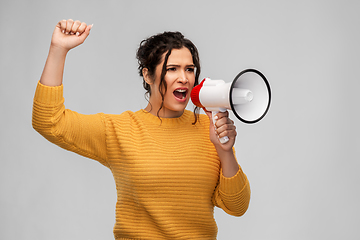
(81, 29)
(86, 33)
(75, 27)
(223, 134)
(69, 24)
(222, 114)
(224, 124)
(209, 114)
(225, 127)
(222, 121)
(62, 25)
(230, 131)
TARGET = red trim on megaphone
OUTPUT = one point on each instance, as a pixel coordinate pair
(195, 94)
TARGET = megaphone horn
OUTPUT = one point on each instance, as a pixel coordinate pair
(248, 96)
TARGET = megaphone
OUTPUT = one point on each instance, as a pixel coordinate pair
(248, 96)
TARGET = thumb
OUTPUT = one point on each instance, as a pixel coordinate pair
(86, 33)
(209, 114)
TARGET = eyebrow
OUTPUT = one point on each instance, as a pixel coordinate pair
(176, 65)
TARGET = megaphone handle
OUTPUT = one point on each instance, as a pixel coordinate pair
(222, 140)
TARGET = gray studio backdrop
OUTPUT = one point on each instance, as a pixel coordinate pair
(302, 159)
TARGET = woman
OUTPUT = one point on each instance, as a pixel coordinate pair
(168, 164)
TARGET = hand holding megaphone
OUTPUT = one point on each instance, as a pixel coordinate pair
(248, 96)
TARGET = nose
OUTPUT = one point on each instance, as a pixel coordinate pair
(182, 77)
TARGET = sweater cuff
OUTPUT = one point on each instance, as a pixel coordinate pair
(48, 95)
(234, 184)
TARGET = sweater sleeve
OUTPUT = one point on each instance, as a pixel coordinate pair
(233, 194)
(82, 134)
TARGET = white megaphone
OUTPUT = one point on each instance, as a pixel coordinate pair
(248, 96)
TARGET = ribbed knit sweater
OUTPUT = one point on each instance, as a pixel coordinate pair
(167, 172)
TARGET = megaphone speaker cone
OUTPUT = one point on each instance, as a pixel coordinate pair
(259, 93)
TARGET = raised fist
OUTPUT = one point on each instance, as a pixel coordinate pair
(69, 34)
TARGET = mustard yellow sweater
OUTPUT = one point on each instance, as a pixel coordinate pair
(167, 173)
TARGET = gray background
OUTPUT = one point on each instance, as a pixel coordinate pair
(302, 160)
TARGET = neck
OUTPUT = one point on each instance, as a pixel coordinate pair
(164, 113)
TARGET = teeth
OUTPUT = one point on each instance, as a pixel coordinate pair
(180, 90)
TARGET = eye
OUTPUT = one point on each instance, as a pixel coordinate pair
(171, 69)
(190, 69)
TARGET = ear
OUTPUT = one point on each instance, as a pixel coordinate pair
(148, 79)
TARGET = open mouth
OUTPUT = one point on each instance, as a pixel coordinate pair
(180, 93)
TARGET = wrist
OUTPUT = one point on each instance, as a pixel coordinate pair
(57, 50)
(221, 149)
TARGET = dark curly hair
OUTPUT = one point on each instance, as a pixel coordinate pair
(149, 55)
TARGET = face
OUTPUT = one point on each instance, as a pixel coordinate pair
(179, 78)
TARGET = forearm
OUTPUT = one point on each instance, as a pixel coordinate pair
(54, 67)
(67, 35)
(229, 164)
(233, 191)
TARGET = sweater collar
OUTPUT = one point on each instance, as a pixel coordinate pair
(185, 118)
